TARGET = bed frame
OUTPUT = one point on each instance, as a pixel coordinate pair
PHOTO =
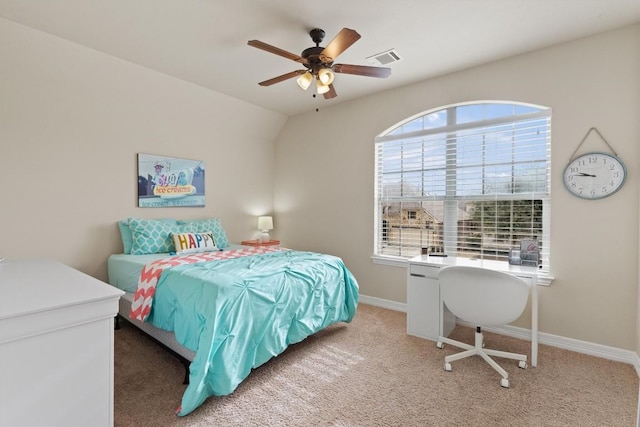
(165, 338)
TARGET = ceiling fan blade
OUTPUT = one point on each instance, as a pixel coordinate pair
(331, 93)
(276, 50)
(345, 38)
(362, 70)
(282, 78)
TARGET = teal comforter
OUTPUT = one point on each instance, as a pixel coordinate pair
(236, 314)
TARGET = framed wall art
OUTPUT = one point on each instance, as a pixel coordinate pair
(169, 181)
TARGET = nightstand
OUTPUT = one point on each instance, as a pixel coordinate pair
(260, 243)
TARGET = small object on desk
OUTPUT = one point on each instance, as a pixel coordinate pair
(259, 242)
(440, 254)
(529, 253)
(514, 257)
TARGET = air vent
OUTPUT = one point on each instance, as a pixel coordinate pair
(384, 58)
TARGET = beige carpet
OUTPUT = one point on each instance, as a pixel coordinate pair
(370, 373)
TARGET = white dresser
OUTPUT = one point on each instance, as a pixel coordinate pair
(56, 346)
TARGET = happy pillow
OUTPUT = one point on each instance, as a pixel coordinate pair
(211, 225)
(188, 243)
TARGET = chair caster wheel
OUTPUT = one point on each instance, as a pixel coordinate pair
(447, 367)
(504, 383)
(440, 344)
(522, 364)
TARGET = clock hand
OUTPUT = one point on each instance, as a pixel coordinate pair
(585, 174)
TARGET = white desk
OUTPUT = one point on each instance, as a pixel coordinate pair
(423, 319)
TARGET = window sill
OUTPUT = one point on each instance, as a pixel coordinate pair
(394, 261)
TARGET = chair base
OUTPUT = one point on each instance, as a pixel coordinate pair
(478, 349)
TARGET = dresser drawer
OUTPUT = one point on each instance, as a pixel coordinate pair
(424, 271)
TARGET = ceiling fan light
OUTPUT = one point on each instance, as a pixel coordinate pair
(304, 81)
(321, 87)
(325, 76)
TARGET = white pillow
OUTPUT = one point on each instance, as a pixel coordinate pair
(188, 243)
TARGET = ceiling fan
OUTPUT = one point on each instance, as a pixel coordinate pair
(318, 62)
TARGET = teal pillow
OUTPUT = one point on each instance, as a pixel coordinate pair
(152, 236)
(211, 225)
(125, 233)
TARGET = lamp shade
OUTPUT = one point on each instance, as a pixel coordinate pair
(325, 76)
(265, 223)
(321, 87)
(304, 81)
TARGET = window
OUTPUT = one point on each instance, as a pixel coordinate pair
(469, 180)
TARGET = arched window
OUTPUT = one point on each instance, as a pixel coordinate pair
(469, 180)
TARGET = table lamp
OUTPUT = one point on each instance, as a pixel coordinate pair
(265, 223)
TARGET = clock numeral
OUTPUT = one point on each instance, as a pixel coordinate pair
(593, 160)
(604, 189)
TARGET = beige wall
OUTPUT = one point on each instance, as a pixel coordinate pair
(324, 180)
(71, 122)
(73, 119)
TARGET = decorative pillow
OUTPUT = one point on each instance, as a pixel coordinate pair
(125, 233)
(212, 225)
(188, 243)
(152, 236)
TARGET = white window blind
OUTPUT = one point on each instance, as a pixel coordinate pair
(467, 180)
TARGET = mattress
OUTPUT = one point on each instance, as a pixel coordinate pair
(124, 270)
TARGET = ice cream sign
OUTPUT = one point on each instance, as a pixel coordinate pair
(170, 181)
(173, 184)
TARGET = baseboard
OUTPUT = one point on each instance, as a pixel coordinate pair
(592, 349)
(383, 303)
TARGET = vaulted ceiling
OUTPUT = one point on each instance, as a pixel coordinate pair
(205, 41)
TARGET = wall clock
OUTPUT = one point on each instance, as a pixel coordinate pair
(594, 175)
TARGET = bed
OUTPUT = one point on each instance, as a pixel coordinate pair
(231, 311)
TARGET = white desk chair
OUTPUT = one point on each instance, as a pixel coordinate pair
(482, 297)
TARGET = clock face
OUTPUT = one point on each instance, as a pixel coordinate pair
(594, 175)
